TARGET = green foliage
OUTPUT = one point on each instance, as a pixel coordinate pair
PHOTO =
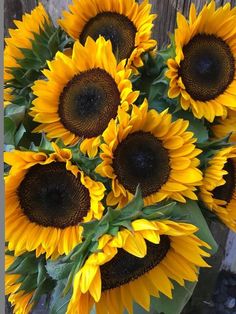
(59, 302)
(66, 267)
(9, 131)
(33, 275)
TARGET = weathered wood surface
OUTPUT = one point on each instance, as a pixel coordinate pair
(165, 23)
(167, 9)
(229, 262)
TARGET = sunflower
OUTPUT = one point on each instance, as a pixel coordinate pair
(146, 148)
(20, 300)
(225, 126)
(218, 190)
(23, 37)
(203, 72)
(133, 265)
(126, 23)
(47, 197)
(87, 91)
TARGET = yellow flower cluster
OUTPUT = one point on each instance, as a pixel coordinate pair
(105, 142)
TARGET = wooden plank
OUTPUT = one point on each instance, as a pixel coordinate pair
(229, 261)
(167, 10)
(14, 10)
(55, 7)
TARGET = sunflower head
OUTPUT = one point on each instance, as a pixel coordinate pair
(88, 89)
(125, 23)
(48, 197)
(22, 38)
(226, 126)
(146, 148)
(218, 191)
(133, 265)
(203, 72)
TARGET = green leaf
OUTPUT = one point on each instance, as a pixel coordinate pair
(45, 287)
(16, 113)
(9, 131)
(59, 303)
(181, 295)
(42, 274)
(19, 134)
(192, 213)
(58, 270)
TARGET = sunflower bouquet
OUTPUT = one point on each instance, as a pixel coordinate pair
(118, 155)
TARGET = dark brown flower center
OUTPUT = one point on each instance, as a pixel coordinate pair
(141, 159)
(225, 192)
(125, 267)
(208, 67)
(88, 102)
(114, 26)
(50, 195)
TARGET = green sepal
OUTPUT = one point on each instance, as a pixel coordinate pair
(216, 144)
(157, 212)
(16, 262)
(135, 205)
(169, 52)
(42, 52)
(29, 64)
(86, 163)
(25, 266)
(152, 71)
(29, 283)
(45, 145)
(89, 227)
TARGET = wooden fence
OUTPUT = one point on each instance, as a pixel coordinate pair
(165, 23)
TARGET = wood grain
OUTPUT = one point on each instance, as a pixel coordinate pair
(167, 10)
(14, 9)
